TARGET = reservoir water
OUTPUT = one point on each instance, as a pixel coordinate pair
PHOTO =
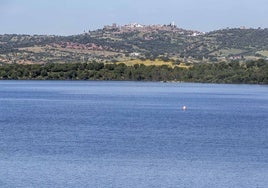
(76, 134)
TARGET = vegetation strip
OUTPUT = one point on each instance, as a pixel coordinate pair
(253, 72)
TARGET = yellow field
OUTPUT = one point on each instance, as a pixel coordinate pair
(156, 62)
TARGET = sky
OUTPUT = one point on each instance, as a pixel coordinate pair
(68, 17)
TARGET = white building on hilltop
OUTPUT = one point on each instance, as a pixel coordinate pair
(134, 25)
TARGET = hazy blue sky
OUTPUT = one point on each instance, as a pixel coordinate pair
(65, 17)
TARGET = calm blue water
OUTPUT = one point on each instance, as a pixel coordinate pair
(72, 134)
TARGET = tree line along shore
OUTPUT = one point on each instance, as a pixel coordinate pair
(252, 72)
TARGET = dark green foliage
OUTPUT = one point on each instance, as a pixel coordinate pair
(254, 72)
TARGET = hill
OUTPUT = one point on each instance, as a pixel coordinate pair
(129, 42)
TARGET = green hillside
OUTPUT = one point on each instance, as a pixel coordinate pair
(125, 43)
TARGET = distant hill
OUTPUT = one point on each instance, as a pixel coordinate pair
(120, 43)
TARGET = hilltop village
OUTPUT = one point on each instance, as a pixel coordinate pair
(150, 28)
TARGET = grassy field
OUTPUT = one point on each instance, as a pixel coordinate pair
(156, 62)
(231, 51)
(263, 52)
